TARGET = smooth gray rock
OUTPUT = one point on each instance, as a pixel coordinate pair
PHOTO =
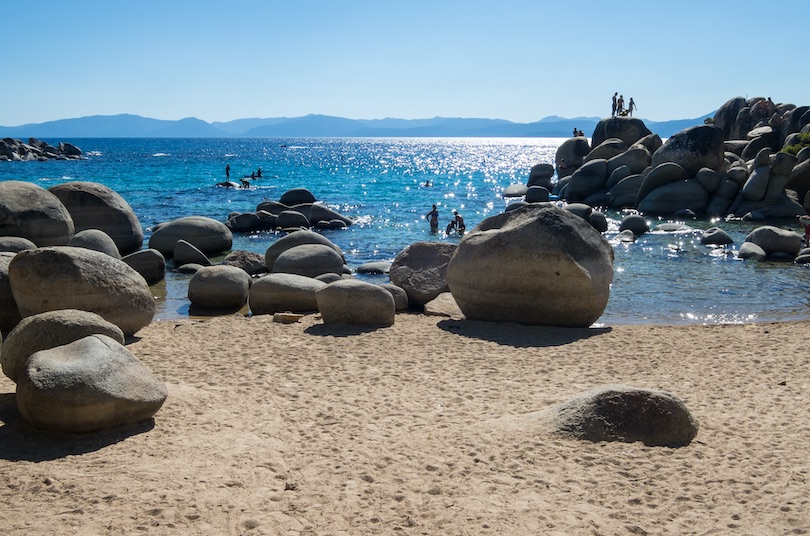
(421, 269)
(570, 155)
(775, 240)
(444, 305)
(537, 194)
(32, 212)
(297, 196)
(60, 277)
(13, 244)
(310, 260)
(95, 206)
(48, 330)
(219, 288)
(252, 263)
(540, 175)
(291, 219)
(96, 240)
(206, 234)
(622, 413)
(244, 223)
(661, 175)
(9, 314)
(588, 179)
(319, 213)
(296, 239)
(185, 253)
(515, 190)
(625, 192)
(636, 158)
(692, 149)
(606, 150)
(709, 179)
(87, 385)
(354, 302)
(628, 129)
(676, 197)
(635, 223)
(399, 294)
(536, 266)
(278, 293)
(757, 183)
(751, 251)
(149, 263)
(715, 236)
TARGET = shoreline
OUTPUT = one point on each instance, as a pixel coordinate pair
(433, 424)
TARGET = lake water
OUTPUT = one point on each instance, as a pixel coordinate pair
(661, 278)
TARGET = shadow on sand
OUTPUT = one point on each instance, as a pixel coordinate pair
(340, 330)
(517, 335)
(21, 442)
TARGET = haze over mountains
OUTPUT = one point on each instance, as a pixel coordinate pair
(135, 126)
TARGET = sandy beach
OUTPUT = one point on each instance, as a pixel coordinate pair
(432, 426)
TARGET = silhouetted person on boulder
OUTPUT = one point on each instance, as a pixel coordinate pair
(227, 171)
(613, 110)
(631, 106)
(620, 105)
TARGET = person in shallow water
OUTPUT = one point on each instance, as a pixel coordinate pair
(457, 224)
(433, 218)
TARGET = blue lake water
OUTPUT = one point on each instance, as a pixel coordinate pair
(661, 278)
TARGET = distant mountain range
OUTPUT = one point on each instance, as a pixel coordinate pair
(135, 126)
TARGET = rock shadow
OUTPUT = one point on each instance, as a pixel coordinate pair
(340, 330)
(20, 441)
(518, 335)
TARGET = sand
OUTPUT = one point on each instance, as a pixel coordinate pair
(432, 426)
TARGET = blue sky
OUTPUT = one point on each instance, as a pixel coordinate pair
(519, 60)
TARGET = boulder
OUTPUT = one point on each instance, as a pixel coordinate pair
(709, 179)
(96, 240)
(399, 295)
(625, 192)
(757, 183)
(715, 236)
(692, 149)
(570, 155)
(87, 385)
(276, 293)
(185, 253)
(219, 288)
(9, 314)
(421, 269)
(245, 223)
(661, 175)
(799, 178)
(598, 221)
(206, 234)
(674, 197)
(628, 414)
(515, 190)
(150, 263)
(587, 180)
(95, 206)
(726, 115)
(540, 175)
(580, 209)
(775, 240)
(635, 223)
(13, 244)
(537, 194)
(296, 196)
(49, 330)
(354, 302)
(537, 265)
(751, 251)
(444, 305)
(606, 150)
(292, 219)
(271, 207)
(309, 260)
(251, 263)
(651, 142)
(628, 129)
(60, 277)
(617, 175)
(321, 213)
(291, 240)
(32, 212)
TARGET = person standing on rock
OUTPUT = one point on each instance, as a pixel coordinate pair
(433, 218)
(613, 111)
(227, 172)
(631, 106)
(620, 105)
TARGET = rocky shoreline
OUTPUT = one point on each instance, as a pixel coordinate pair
(12, 150)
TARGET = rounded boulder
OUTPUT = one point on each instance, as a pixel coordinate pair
(535, 266)
(277, 293)
(421, 269)
(32, 212)
(206, 234)
(350, 301)
(310, 260)
(219, 288)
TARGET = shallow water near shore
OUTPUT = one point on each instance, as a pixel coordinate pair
(663, 278)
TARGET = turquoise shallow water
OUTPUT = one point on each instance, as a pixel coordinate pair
(662, 278)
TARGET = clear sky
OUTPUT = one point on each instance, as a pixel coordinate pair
(519, 60)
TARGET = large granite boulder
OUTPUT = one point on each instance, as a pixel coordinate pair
(570, 155)
(350, 301)
(59, 277)
(310, 260)
(95, 206)
(13, 244)
(150, 263)
(661, 175)
(96, 240)
(726, 116)
(637, 158)
(540, 175)
(185, 253)
(32, 212)
(628, 414)
(297, 196)
(636, 223)
(628, 129)
(319, 213)
(87, 385)
(292, 219)
(277, 293)
(606, 150)
(206, 234)
(587, 180)
(9, 314)
(48, 330)
(252, 263)
(219, 288)
(291, 240)
(421, 269)
(715, 236)
(692, 149)
(675, 197)
(536, 265)
(775, 240)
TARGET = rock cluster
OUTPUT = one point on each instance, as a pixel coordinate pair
(296, 209)
(17, 150)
